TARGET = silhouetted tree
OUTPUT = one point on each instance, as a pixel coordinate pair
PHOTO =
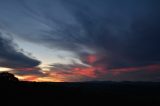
(7, 77)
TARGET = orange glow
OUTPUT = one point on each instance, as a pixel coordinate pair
(76, 73)
(95, 68)
(27, 78)
(35, 78)
(49, 79)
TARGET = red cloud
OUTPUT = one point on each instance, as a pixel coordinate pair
(94, 69)
(91, 59)
(150, 68)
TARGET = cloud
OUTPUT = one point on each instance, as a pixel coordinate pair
(29, 71)
(79, 72)
(126, 32)
(125, 39)
(113, 35)
(10, 57)
(146, 73)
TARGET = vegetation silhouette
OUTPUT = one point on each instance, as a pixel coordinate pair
(7, 77)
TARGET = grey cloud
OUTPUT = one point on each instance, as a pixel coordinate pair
(66, 67)
(125, 32)
(111, 27)
(138, 75)
(10, 57)
(33, 71)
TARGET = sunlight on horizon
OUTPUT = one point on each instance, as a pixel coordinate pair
(2, 69)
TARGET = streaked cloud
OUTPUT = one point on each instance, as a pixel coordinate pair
(109, 39)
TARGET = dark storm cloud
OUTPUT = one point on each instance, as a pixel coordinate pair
(29, 71)
(123, 33)
(10, 57)
(127, 32)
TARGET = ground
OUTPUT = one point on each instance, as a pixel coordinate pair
(81, 93)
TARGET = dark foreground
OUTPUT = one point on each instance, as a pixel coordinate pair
(74, 94)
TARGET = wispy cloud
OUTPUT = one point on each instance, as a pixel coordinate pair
(109, 37)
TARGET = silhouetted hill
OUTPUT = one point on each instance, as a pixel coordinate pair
(80, 93)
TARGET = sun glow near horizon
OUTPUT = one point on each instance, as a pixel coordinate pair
(3, 69)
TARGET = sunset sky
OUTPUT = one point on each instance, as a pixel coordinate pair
(80, 40)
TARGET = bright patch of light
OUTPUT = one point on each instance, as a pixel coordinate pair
(2, 69)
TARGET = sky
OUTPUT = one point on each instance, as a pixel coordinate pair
(80, 40)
